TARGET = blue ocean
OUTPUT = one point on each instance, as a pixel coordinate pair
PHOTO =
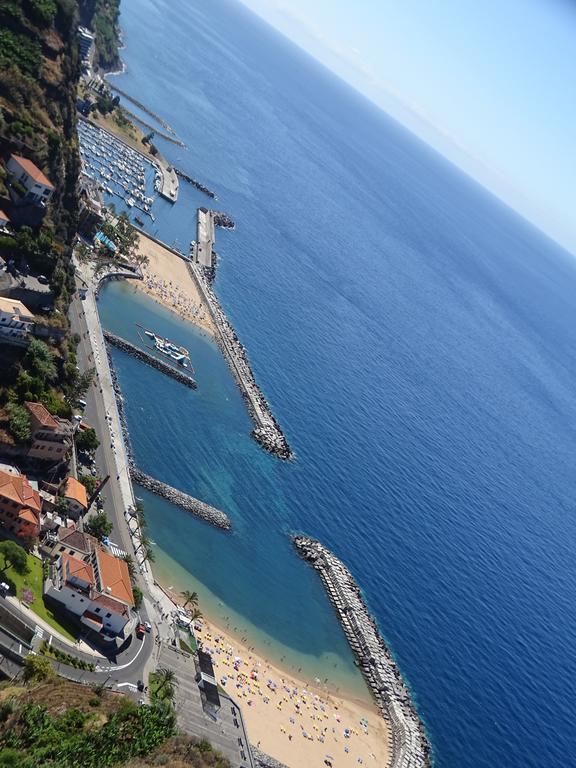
(417, 342)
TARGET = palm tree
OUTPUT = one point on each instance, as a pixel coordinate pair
(196, 614)
(190, 597)
(129, 560)
(167, 681)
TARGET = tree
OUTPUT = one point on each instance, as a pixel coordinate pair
(39, 360)
(37, 668)
(196, 613)
(99, 526)
(14, 557)
(89, 483)
(138, 597)
(19, 423)
(129, 560)
(167, 682)
(86, 440)
(190, 597)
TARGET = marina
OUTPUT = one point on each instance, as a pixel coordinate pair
(118, 169)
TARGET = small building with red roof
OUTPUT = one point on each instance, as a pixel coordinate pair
(38, 189)
(20, 506)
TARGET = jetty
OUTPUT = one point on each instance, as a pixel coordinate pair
(151, 360)
(267, 431)
(199, 508)
(195, 183)
(409, 745)
(141, 106)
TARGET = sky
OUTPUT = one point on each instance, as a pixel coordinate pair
(490, 84)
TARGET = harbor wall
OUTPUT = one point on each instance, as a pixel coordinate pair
(150, 360)
(409, 746)
(267, 431)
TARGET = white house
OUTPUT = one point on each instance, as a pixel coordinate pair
(95, 587)
(16, 322)
(38, 188)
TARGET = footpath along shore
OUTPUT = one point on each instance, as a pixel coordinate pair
(409, 746)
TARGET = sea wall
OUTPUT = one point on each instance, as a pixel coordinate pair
(150, 360)
(267, 431)
(409, 746)
(262, 760)
(199, 508)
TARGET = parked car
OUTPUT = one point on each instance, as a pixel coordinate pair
(140, 631)
(43, 279)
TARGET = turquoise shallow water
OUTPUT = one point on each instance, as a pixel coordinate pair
(417, 342)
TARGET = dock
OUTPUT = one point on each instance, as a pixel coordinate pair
(203, 249)
(149, 359)
(409, 745)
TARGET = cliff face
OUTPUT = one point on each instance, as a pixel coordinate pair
(39, 71)
(102, 17)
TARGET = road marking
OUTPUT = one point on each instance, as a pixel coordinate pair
(132, 686)
(124, 666)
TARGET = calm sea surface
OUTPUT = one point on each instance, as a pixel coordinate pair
(417, 342)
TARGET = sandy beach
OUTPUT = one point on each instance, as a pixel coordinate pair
(168, 281)
(292, 719)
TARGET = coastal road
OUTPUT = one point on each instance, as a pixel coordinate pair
(95, 415)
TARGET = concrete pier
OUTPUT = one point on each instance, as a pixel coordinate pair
(203, 250)
(150, 360)
(409, 746)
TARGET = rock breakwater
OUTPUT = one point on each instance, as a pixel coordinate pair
(195, 183)
(199, 508)
(223, 220)
(409, 746)
(267, 431)
(150, 360)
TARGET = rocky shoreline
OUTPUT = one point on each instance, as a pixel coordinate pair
(409, 745)
(199, 508)
(267, 431)
(150, 360)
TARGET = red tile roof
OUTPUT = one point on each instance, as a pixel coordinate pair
(76, 491)
(32, 170)
(17, 488)
(4, 216)
(114, 577)
(75, 568)
(111, 605)
(28, 516)
(42, 415)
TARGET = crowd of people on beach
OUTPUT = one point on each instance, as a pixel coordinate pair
(307, 715)
(170, 295)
